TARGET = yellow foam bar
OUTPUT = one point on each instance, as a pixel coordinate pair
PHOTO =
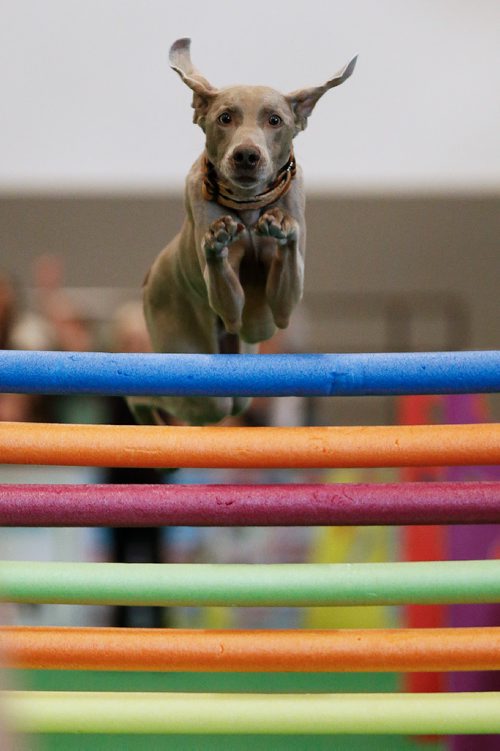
(416, 714)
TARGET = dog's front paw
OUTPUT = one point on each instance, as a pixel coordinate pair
(278, 225)
(219, 236)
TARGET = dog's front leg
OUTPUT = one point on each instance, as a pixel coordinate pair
(285, 278)
(225, 293)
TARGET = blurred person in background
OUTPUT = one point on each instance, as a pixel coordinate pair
(12, 407)
(19, 329)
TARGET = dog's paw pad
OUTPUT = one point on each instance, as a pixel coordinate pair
(220, 235)
(278, 225)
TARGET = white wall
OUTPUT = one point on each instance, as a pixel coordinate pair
(88, 101)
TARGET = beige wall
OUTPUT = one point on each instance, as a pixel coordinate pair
(381, 273)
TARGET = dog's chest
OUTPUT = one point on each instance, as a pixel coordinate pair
(255, 254)
(257, 250)
(249, 218)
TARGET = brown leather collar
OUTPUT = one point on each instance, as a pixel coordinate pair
(215, 190)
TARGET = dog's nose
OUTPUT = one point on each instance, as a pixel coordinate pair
(246, 157)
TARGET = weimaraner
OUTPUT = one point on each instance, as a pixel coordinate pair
(234, 273)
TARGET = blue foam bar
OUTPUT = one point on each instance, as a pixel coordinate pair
(249, 375)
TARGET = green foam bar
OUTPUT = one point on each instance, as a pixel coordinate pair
(415, 714)
(251, 584)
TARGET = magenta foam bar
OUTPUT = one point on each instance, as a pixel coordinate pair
(255, 505)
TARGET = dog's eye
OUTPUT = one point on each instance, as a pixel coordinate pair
(225, 118)
(275, 120)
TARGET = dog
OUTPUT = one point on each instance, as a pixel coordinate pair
(234, 273)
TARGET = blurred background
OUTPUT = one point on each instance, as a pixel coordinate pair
(402, 169)
(402, 164)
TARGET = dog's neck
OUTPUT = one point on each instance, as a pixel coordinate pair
(214, 189)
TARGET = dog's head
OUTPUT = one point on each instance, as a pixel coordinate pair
(249, 129)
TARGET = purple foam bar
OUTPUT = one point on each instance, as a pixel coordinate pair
(255, 505)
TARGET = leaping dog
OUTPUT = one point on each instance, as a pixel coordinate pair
(235, 271)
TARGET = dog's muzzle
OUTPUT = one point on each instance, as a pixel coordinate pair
(215, 190)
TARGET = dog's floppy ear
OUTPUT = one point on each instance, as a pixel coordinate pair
(303, 101)
(203, 91)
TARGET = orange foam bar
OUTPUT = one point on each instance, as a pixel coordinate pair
(252, 651)
(146, 446)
